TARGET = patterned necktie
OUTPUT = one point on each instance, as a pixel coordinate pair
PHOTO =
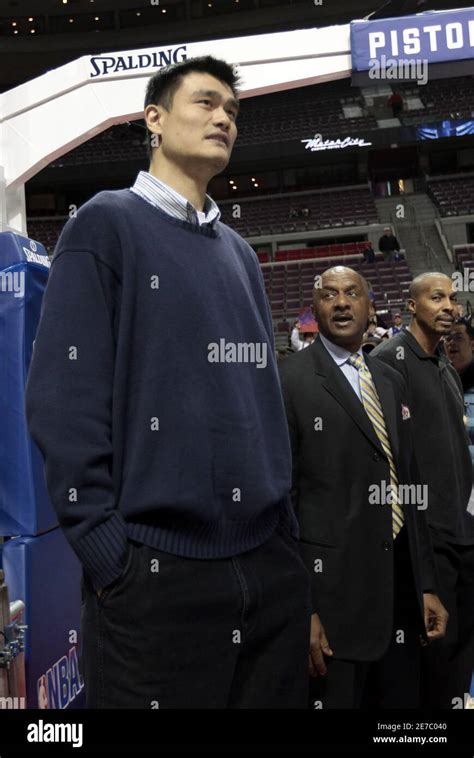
(371, 403)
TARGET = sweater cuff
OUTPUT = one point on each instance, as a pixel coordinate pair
(103, 551)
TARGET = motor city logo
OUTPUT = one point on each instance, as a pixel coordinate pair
(317, 143)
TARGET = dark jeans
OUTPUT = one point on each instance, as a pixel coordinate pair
(176, 632)
(447, 664)
(393, 681)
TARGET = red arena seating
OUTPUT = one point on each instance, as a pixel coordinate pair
(290, 286)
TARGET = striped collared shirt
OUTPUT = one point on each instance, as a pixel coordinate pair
(341, 357)
(167, 199)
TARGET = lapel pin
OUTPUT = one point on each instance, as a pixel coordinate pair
(405, 412)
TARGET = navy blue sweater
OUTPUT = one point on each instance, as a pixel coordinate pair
(153, 393)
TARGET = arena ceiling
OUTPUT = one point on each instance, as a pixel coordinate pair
(38, 35)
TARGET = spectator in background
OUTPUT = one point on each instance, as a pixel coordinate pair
(397, 325)
(373, 315)
(395, 102)
(459, 344)
(299, 338)
(368, 252)
(388, 244)
(308, 338)
(371, 298)
(371, 333)
(295, 342)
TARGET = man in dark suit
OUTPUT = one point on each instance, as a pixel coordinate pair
(360, 507)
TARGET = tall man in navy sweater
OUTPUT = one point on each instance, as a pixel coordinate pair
(169, 464)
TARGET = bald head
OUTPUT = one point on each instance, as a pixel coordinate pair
(427, 281)
(341, 306)
(339, 272)
(432, 304)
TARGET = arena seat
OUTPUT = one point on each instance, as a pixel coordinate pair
(453, 197)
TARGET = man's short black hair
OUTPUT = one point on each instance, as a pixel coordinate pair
(162, 86)
(463, 321)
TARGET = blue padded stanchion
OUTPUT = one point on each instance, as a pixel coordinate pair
(24, 502)
(44, 572)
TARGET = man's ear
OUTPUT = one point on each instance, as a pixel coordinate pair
(154, 118)
(412, 307)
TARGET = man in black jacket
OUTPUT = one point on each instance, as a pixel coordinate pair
(371, 565)
(388, 244)
(441, 442)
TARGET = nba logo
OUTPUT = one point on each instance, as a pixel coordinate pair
(405, 412)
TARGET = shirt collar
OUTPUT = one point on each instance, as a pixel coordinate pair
(339, 354)
(418, 350)
(160, 194)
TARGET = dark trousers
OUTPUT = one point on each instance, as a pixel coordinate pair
(393, 680)
(176, 632)
(447, 664)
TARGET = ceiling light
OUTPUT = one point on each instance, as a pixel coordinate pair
(138, 13)
(13, 23)
(163, 10)
(231, 181)
(32, 31)
(234, 186)
(255, 185)
(64, 2)
(96, 18)
(31, 18)
(16, 31)
(71, 20)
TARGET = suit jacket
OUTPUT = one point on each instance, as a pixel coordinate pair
(346, 541)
